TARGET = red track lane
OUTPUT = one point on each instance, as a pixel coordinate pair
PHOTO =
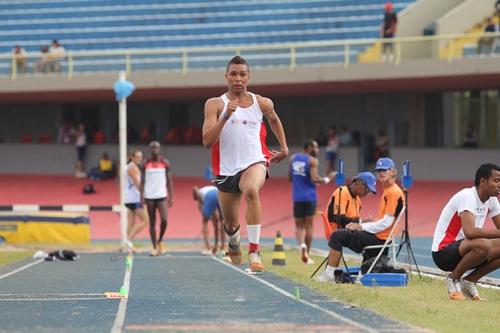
(426, 199)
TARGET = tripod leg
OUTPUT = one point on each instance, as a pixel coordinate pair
(320, 265)
(414, 260)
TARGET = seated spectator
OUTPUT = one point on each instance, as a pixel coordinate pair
(19, 57)
(56, 53)
(41, 65)
(487, 45)
(105, 170)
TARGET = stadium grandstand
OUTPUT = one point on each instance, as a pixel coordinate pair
(428, 95)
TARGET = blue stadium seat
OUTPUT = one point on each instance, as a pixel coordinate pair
(150, 24)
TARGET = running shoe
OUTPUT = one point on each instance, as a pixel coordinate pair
(161, 248)
(255, 263)
(206, 252)
(234, 252)
(325, 277)
(310, 261)
(304, 255)
(154, 253)
(469, 289)
(454, 290)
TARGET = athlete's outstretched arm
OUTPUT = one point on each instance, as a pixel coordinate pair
(267, 107)
(213, 124)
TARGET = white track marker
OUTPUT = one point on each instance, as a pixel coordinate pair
(122, 307)
(287, 294)
(21, 268)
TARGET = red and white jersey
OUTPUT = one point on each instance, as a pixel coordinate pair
(449, 226)
(242, 141)
(155, 178)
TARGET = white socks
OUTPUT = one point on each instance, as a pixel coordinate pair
(253, 233)
(330, 270)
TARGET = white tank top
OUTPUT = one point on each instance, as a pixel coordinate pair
(132, 193)
(155, 179)
(242, 141)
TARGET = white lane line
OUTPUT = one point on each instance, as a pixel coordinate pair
(55, 295)
(122, 307)
(287, 294)
(173, 257)
(36, 262)
(52, 299)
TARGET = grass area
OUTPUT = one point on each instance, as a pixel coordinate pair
(423, 303)
(9, 257)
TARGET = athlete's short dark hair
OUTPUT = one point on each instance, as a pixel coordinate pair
(237, 60)
(484, 171)
(308, 143)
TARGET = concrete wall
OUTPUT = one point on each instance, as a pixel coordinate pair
(462, 17)
(413, 20)
(444, 164)
(185, 160)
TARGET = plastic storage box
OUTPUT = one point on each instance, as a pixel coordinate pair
(385, 279)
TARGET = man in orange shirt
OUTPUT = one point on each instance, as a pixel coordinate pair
(345, 204)
(356, 236)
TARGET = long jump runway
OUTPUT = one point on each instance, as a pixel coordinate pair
(178, 292)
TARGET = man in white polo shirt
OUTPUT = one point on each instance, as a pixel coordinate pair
(460, 243)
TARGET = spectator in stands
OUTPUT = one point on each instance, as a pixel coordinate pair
(345, 136)
(19, 58)
(388, 30)
(470, 137)
(331, 150)
(66, 133)
(56, 53)
(41, 65)
(81, 149)
(106, 169)
(382, 145)
(488, 44)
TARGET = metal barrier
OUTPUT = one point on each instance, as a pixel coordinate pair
(286, 55)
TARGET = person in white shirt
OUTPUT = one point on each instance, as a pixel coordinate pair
(56, 53)
(461, 243)
(235, 130)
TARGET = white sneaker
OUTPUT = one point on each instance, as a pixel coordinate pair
(206, 252)
(454, 289)
(310, 261)
(469, 289)
(324, 277)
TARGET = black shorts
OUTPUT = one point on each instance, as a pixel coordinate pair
(304, 208)
(133, 206)
(231, 184)
(448, 257)
(353, 239)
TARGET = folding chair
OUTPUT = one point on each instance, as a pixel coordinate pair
(389, 242)
(329, 228)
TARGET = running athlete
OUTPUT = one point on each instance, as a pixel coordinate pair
(133, 198)
(303, 173)
(356, 236)
(158, 194)
(208, 204)
(461, 243)
(235, 130)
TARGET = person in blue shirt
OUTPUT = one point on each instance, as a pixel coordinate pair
(303, 173)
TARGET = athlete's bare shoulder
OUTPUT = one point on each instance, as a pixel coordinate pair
(214, 105)
(265, 104)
